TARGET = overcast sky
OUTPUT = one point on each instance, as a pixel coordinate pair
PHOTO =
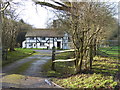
(37, 16)
(34, 14)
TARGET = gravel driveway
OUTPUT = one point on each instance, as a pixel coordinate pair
(31, 77)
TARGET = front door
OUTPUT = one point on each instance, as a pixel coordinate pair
(58, 44)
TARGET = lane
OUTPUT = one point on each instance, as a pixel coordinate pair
(35, 68)
(11, 67)
(30, 78)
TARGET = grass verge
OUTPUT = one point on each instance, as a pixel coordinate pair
(19, 53)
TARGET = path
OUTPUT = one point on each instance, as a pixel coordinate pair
(31, 77)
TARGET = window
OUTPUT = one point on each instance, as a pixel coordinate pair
(69, 39)
(31, 38)
(42, 44)
(43, 38)
(30, 44)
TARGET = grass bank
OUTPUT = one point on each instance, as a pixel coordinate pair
(102, 75)
(19, 53)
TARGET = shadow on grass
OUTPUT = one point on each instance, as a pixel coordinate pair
(104, 66)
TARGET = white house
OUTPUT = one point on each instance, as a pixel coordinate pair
(46, 38)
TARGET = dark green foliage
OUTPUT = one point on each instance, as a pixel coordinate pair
(21, 38)
(23, 28)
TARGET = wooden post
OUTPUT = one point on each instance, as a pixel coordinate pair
(0, 44)
(53, 55)
(36, 41)
(26, 42)
(0, 33)
(62, 42)
(1, 48)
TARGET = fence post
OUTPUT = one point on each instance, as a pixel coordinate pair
(53, 56)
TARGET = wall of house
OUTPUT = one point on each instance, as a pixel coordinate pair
(45, 42)
(65, 42)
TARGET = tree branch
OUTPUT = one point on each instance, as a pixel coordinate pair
(60, 3)
(64, 8)
(5, 6)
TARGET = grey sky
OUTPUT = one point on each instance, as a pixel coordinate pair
(34, 15)
(37, 15)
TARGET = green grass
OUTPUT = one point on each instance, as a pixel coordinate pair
(19, 53)
(105, 65)
(86, 81)
(102, 74)
(65, 55)
(63, 69)
(112, 51)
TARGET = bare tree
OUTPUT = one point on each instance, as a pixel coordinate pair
(10, 30)
(10, 25)
(87, 23)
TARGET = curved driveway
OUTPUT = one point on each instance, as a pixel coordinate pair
(31, 77)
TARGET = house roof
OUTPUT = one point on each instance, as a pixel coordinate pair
(44, 33)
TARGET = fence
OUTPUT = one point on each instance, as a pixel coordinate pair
(109, 48)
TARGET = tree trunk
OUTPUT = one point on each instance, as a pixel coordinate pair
(12, 49)
(81, 58)
(91, 56)
(80, 55)
(77, 56)
(79, 61)
(12, 44)
(53, 58)
(95, 47)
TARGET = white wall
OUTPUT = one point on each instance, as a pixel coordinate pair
(63, 42)
(23, 44)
